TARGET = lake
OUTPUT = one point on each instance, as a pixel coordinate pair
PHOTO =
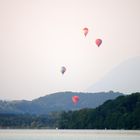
(7, 134)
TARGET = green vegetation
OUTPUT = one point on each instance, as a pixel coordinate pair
(120, 113)
(27, 121)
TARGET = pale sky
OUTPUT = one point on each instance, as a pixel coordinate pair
(37, 37)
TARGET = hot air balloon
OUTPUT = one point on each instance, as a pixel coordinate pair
(85, 31)
(75, 99)
(98, 42)
(63, 69)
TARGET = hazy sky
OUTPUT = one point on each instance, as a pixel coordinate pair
(37, 37)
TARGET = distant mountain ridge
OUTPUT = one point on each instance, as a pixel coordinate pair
(60, 101)
(125, 78)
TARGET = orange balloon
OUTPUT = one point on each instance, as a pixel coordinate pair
(75, 99)
(85, 31)
(98, 42)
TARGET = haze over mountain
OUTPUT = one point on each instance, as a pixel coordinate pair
(38, 37)
(60, 101)
(123, 78)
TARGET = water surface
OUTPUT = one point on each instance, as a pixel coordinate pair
(69, 135)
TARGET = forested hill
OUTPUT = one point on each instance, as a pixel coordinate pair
(60, 101)
(121, 113)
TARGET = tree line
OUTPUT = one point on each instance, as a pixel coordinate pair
(121, 113)
(28, 121)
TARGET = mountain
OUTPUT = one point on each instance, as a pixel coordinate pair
(120, 113)
(60, 101)
(124, 78)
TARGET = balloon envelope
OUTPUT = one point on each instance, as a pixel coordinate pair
(85, 31)
(98, 42)
(75, 99)
(63, 69)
